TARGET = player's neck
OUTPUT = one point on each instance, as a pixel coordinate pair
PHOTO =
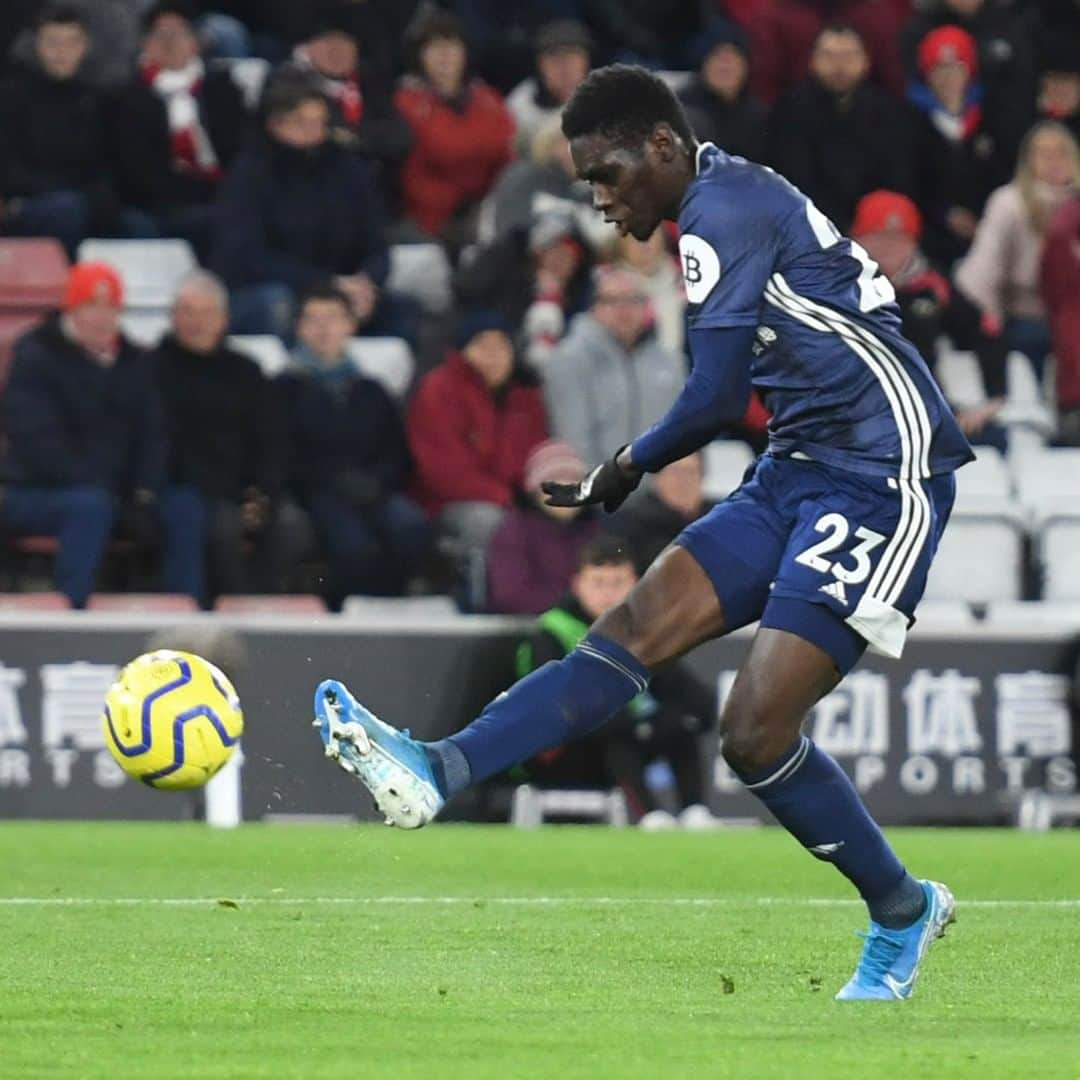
(684, 172)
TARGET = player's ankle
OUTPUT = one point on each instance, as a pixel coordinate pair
(900, 907)
(449, 766)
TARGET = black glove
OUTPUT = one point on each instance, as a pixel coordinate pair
(609, 484)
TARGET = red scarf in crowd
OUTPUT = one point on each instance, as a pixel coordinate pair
(191, 149)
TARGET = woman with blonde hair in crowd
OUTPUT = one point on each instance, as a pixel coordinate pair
(1000, 274)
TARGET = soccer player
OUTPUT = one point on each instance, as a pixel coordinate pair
(827, 543)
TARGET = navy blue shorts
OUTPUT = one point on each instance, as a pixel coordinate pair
(836, 557)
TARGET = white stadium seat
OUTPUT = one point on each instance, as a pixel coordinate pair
(387, 360)
(404, 607)
(265, 349)
(959, 375)
(978, 561)
(944, 617)
(726, 460)
(1048, 482)
(421, 271)
(151, 269)
(145, 328)
(1059, 553)
(249, 73)
(1034, 615)
(984, 487)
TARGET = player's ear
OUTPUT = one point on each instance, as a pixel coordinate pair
(665, 142)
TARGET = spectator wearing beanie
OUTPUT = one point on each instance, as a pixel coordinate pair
(53, 171)
(462, 131)
(889, 226)
(295, 210)
(1060, 281)
(717, 99)
(959, 158)
(563, 58)
(535, 551)
(175, 128)
(472, 424)
(1000, 274)
(86, 441)
(1005, 52)
(359, 92)
(835, 136)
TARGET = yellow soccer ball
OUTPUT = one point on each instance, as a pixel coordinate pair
(172, 719)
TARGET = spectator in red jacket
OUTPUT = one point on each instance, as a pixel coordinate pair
(472, 425)
(1060, 282)
(783, 35)
(537, 549)
(463, 132)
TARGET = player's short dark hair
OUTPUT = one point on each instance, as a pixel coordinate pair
(624, 103)
(287, 89)
(326, 292)
(605, 550)
(61, 14)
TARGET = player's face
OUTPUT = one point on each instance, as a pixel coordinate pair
(623, 182)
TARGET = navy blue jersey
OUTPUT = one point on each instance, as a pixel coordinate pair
(844, 386)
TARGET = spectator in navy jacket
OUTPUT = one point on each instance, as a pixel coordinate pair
(350, 459)
(53, 179)
(86, 442)
(174, 129)
(295, 210)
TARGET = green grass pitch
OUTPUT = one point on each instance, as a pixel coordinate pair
(175, 951)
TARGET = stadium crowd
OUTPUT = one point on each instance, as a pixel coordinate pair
(294, 147)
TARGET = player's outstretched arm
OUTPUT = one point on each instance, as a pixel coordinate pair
(715, 395)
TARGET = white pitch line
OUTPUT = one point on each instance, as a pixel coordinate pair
(509, 901)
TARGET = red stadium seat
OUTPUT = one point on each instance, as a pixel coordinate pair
(13, 324)
(36, 545)
(32, 274)
(251, 604)
(137, 603)
(34, 601)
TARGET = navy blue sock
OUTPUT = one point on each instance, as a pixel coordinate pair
(812, 797)
(558, 702)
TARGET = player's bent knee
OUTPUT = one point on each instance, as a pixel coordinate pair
(754, 733)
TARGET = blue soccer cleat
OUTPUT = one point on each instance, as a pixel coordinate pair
(891, 958)
(388, 762)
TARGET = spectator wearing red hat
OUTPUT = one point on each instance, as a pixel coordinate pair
(1060, 281)
(534, 552)
(463, 132)
(835, 136)
(889, 225)
(960, 158)
(1000, 274)
(86, 440)
(1004, 47)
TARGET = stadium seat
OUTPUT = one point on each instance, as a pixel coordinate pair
(12, 327)
(151, 269)
(137, 603)
(258, 604)
(416, 607)
(249, 74)
(33, 273)
(1033, 616)
(677, 80)
(984, 486)
(944, 616)
(422, 272)
(387, 360)
(34, 601)
(726, 460)
(531, 805)
(959, 375)
(1048, 481)
(1059, 554)
(1021, 381)
(997, 572)
(145, 328)
(266, 350)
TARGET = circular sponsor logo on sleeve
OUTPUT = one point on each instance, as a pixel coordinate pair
(700, 265)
